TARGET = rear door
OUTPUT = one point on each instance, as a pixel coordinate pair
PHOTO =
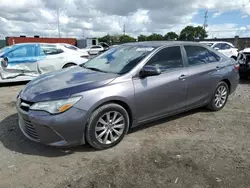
(166, 93)
(204, 72)
(51, 58)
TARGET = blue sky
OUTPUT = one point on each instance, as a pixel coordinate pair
(226, 17)
(94, 18)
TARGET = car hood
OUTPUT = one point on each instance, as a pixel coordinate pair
(64, 83)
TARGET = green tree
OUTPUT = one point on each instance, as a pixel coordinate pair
(142, 38)
(126, 38)
(191, 33)
(106, 38)
(171, 36)
(155, 36)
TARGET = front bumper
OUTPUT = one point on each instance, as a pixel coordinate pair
(66, 129)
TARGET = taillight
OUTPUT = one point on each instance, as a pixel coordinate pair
(237, 67)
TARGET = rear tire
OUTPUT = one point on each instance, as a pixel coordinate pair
(107, 126)
(219, 98)
(69, 65)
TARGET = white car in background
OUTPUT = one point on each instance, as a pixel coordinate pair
(94, 50)
(25, 61)
(84, 53)
(225, 48)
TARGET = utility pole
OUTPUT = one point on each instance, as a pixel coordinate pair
(124, 29)
(58, 22)
(205, 20)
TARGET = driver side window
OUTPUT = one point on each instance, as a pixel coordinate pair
(167, 59)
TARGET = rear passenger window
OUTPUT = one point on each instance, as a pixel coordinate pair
(50, 50)
(167, 58)
(198, 55)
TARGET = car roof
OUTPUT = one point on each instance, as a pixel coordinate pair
(43, 43)
(160, 43)
(215, 42)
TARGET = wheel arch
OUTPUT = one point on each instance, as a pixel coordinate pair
(227, 81)
(120, 102)
(68, 63)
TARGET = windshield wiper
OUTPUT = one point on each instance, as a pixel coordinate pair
(94, 69)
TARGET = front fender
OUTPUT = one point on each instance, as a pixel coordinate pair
(121, 92)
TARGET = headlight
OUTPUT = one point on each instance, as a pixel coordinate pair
(57, 106)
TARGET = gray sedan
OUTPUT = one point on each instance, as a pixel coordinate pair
(134, 83)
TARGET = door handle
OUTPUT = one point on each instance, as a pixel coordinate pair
(217, 68)
(182, 77)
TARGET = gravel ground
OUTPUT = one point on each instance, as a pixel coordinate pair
(198, 149)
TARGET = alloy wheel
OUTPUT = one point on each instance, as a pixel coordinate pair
(220, 96)
(110, 127)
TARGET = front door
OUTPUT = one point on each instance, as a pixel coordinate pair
(160, 95)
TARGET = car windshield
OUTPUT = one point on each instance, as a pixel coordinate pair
(4, 48)
(119, 60)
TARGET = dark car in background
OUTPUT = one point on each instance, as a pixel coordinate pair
(128, 85)
(244, 62)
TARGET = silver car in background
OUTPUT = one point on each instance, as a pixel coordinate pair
(128, 85)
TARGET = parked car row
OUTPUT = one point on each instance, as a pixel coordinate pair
(128, 85)
(225, 48)
(23, 62)
(242, 57)
(244, 62)
(97, 49)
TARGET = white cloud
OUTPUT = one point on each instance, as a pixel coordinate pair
(99, 17)
(227, 30)
(216, 14)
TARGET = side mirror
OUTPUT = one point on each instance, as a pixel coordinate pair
(216, 48)
(4, 62)
(149, 70)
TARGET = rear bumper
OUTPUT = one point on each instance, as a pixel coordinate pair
(235, 80)
(66, 129)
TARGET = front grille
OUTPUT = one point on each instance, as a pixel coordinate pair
(30, 130)
(25, 105)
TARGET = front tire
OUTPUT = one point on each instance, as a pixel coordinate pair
(107, 126)
(219, 98)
